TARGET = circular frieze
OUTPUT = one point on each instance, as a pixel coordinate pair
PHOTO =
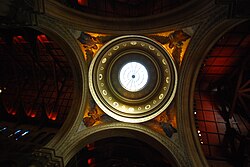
(132, 78)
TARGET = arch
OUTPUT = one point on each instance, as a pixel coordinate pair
(68, 43)
(192, 62)
(164, 145)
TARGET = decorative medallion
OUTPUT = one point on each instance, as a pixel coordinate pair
(132, 78)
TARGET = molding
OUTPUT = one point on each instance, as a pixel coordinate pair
(46, 157)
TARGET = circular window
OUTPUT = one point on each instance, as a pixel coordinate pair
(133, 76)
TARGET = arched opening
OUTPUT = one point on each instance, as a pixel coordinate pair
(36, 89)
(221, 99)
(114, 132)
(118, 152)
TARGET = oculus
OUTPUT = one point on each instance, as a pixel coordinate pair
(132, 78)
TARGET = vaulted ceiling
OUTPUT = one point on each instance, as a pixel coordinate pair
(36, 79)
(36, 85)
(222, 96)
(226, 69)
(124, 8)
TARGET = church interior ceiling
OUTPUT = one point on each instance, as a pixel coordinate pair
(38, 86)
(175, 42)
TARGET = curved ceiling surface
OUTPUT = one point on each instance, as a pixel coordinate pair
(124, 8)
(36, 78)
(132, 78)
(121, 152)
(221, 99)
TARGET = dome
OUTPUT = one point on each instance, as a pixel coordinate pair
(119, 75)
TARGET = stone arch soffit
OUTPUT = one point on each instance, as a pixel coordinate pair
(74, 55)
(164, 145)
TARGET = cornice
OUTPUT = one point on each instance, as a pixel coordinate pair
(45, 157)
